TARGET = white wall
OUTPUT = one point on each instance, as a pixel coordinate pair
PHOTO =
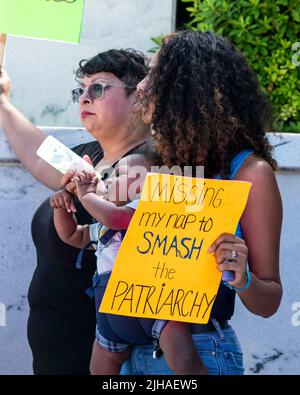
(42, 71)
(271, 346)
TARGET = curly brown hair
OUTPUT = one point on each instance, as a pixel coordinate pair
(208, 105)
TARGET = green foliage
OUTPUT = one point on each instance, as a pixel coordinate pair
(157, 41)
(265, 32)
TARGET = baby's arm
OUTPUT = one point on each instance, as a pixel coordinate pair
(105, 212)
(65, 221)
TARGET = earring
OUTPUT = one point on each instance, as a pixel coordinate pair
(152, 129)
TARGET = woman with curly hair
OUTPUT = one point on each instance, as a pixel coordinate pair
(206, 109)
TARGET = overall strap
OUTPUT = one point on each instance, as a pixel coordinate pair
(109, 234)
(104, 239)
(238, 161)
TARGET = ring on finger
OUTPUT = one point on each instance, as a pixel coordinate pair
(234, 255)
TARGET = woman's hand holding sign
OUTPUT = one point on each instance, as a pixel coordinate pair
(231, 253)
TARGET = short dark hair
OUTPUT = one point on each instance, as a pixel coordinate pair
(128, 65)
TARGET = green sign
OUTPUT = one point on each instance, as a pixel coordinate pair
(58, 20)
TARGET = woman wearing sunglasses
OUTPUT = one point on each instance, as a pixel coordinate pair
(61, 325)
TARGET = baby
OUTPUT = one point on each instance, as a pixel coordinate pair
(113, 211)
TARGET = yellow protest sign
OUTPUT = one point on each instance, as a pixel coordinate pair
(48, 19)
(163, 269)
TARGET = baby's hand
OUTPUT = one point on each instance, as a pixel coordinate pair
(85, 183)
(67, 181)
(63, 199)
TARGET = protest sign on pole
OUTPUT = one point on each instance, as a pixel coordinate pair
(2, 46)
(163, 269)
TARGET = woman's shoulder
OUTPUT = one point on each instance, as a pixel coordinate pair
(255, 169)
(264, 187)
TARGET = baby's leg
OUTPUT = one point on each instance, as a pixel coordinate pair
(179, 350)
(107, 362)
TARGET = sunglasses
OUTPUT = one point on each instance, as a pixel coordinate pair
(94, 91)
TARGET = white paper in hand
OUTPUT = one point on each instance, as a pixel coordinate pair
(61, 157)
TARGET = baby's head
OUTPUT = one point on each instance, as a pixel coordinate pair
(127, 179)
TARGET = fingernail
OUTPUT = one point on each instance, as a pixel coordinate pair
(211, 249)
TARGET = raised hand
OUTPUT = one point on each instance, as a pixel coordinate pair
(67, 180)
(85, 183)
(4, 82)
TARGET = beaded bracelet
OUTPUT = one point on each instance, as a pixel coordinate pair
(243, 288)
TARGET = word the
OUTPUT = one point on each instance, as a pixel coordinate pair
(163, 272)
(150, 299)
